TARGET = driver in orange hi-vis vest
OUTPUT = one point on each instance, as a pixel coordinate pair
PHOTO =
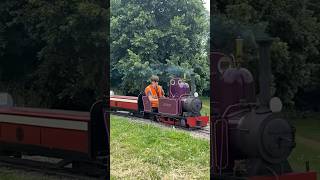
(154, 92)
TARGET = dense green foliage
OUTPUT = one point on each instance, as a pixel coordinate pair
(295, 52)
(167, 38)
(52, 52)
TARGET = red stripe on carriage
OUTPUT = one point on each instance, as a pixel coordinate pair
(124, 97)
(47, 113)
(124, 105)
(63, 139)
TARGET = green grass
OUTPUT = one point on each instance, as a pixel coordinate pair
(205, 106)
(308, 143)
(144, 151)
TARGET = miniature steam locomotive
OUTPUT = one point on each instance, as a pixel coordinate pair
(180, 108)
(249, 138)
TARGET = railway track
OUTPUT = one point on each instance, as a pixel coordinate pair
(45, 168)
(202, 133)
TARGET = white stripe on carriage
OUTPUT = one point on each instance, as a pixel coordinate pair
(44, 122)
(124, 100)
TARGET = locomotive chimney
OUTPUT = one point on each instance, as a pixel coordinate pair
(264, 73)
(193, 83)
(239, 51)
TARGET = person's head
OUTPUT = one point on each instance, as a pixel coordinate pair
(154, 80)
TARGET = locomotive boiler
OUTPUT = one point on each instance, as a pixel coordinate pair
(249, 137)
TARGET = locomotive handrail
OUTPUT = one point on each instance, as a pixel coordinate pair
(237, 105)
(236, 113)
(219, 166)
(182, 95)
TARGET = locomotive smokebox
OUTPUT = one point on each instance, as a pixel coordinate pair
(191, 104)
(264, 73)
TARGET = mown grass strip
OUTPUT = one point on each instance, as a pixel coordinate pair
(205, 111)
(308, 143)
(143, 151)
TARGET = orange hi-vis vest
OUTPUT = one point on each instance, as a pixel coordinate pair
(155, 93)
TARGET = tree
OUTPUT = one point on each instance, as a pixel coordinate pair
(294, 24)
(68, 45)
(74, 33)
(154, 37)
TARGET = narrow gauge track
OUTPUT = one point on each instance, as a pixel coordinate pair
(45, 168)
(203, 133)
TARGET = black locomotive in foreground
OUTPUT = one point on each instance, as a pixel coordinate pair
(249, 138)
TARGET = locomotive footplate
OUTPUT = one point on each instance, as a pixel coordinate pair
(189, 122)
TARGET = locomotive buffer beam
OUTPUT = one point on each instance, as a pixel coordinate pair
(260, 167)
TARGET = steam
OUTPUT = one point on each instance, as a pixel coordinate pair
(176, 71)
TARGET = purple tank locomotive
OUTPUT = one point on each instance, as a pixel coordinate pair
(179, 108)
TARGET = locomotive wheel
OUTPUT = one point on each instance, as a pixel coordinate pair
(156, 118)
(139, 114)
(151, 117)
(146, 115)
